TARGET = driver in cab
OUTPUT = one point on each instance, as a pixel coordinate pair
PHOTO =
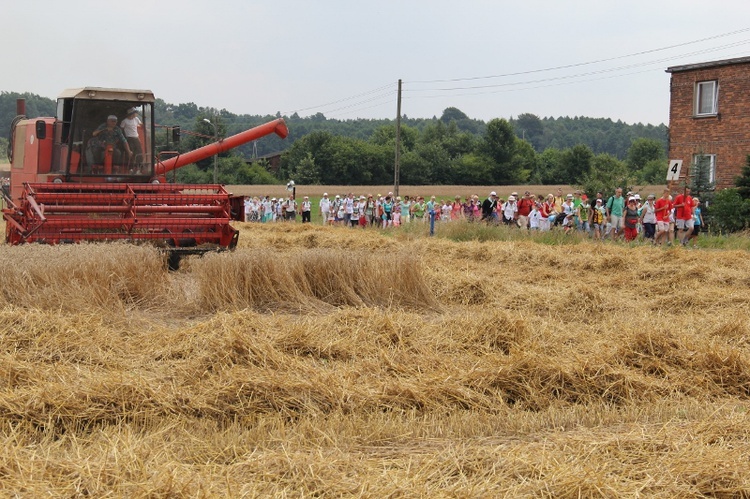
(107, 134)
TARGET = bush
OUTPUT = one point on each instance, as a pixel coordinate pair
(730, 213)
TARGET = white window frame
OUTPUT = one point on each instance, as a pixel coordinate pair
(709, 90)
(712, 165)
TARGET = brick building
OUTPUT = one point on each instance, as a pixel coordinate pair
(709, 117)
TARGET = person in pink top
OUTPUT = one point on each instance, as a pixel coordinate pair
(456, 208)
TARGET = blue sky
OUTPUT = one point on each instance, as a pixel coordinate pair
(491, 59)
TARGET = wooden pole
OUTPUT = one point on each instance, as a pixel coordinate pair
(396, 168)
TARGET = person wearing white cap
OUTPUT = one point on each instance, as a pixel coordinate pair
(489, 207)
(305, 208)
(631, 218)
(129, 127)
(648, 218)
(568, 212)
(107, 134)
(510, 211)
(325, 207)
(279, 214)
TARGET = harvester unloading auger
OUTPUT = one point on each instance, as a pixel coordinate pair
(67, 184)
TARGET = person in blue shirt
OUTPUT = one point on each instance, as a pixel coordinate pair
(697, 221)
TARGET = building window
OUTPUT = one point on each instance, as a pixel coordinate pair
(703, 162)
(706, 98)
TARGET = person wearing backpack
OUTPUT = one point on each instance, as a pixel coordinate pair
(615, 208)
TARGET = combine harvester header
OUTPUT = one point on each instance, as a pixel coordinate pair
(77, 177)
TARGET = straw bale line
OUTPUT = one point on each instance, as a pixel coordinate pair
(374, 365)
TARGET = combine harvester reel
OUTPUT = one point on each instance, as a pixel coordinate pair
(74, 178)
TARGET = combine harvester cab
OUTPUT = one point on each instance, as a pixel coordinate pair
(68, 185)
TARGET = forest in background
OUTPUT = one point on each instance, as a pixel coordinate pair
(450, 149)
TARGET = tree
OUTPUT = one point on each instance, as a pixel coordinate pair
(546, 167)
(317, 145)
(729, 211)
(523, 161)
(606, 173)
(499, 141)
(386, 136)
(654, 172)
(743, 181)
(453, 114)
(700, 184)
(530, 128)
(473, 169)
(575, 164)
(440, 164)
(255, 174)
(307, 171)
(498, 144)
(643, 151)
(36, 106)
(414, 170)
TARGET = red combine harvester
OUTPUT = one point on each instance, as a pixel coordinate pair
(73, 180)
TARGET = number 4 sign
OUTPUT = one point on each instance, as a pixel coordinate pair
(675, 165)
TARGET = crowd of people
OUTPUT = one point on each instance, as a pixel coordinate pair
(661, 221)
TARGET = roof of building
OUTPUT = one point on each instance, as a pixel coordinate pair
(710, 64)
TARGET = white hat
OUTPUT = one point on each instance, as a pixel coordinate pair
(493, 193)
(111, 117)
(637, 196)
(631, 198)
(511, 198)
(337, 196)
(325, 194)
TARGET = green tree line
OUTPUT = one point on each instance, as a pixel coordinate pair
(450, 149)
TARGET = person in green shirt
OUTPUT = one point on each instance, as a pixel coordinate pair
(417, 209)
(582, 214)
(615, 207)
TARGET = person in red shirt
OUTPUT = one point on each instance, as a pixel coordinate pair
(683, 205)
(662, 209)
(524, 208)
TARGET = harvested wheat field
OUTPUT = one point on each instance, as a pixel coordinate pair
(319, 361)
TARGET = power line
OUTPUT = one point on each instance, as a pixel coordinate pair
(579, 75)
(388, 102)
(378, 89)
(533, 87)
(568, 66)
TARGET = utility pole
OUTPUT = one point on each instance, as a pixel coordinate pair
(396, 168)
